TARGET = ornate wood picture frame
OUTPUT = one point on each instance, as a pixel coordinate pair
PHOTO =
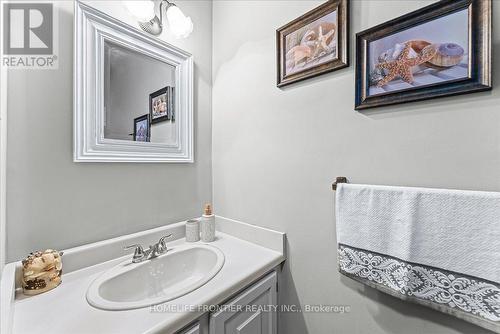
(313, 44)
(440, 50)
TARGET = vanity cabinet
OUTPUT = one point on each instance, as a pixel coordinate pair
(252, 311)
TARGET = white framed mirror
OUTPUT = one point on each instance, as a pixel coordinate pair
(133, 93)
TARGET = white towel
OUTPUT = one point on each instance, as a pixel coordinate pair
(418, 243)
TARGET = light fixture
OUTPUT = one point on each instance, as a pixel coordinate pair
(179, 25)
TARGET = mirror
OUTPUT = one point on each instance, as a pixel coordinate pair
(133, 93)
(138, 96)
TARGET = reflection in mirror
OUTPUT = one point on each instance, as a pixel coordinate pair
(139, 97)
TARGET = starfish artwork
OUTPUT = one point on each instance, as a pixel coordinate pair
(401, 67)
(322, 41)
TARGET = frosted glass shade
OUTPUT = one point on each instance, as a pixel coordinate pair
(180, 26)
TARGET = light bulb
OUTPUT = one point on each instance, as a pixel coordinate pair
(180, 25)
(142, 10)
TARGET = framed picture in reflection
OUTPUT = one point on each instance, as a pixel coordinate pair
(142, 128)
(159, 105)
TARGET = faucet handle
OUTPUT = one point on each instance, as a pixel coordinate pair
(138, 248)
(162, 239)
(138, 253)
(163, 244)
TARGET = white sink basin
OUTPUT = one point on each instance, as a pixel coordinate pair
(181, 270)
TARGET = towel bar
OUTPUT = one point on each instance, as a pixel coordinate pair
(340, 179)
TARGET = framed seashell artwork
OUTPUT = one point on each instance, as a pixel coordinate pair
(442, 49)
(313, 44)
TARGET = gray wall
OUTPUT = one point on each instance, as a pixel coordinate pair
(54, 202)
(276, 152)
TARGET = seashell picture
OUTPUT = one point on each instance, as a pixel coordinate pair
(313, 44)
(431, 53)
(425, 53)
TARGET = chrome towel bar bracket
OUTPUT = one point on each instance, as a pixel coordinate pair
(340, 179)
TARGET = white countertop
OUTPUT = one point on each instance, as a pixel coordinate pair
(65, 309)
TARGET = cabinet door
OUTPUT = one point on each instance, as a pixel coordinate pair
(252, 312)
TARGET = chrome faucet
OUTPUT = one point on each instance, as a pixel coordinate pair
(154, 250)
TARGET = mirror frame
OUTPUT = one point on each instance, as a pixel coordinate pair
(92, 29)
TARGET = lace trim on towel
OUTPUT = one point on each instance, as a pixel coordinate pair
(469, 294)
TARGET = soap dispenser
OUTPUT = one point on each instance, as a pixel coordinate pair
(207, 225)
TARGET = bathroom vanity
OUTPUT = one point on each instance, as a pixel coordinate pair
(241, 297)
